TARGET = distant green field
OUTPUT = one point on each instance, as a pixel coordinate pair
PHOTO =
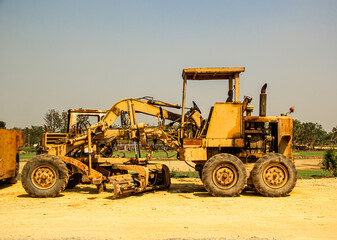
(313, 174)
(30, 152)
(27, 156)
(27, 149)
(308, 154)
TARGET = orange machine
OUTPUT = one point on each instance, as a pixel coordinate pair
(10, 141)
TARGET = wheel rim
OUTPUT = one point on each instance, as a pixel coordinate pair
(275, 175)
(225, 176)
(44, 177)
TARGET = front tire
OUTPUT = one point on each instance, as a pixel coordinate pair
(274, 175)
(224, 175)
(44, 176)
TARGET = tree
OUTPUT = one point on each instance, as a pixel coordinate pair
(298, 133)
(26, 136)
(2, 124)
(35, 134)
(309, 134)
(64, 117)
(333, 137)
(31, 135)
(321, 136)
(55, 121)
(330, 162)
(314, 134)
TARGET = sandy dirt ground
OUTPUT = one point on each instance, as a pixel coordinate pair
(308, 163)
(185, 211)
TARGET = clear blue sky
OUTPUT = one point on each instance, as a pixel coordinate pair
(90, 54)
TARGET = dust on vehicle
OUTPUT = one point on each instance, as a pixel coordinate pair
(231, 148)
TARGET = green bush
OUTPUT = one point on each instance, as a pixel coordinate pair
(329, 162)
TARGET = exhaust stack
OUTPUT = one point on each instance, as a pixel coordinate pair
(263, 101)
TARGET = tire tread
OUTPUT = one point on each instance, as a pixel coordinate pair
(261, 187)
(61, 167)
(207, 175)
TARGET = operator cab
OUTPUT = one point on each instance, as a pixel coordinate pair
(225, 118)
(80, 119)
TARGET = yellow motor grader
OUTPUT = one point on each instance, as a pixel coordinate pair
(231, 148)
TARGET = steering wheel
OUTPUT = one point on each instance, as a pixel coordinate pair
(82, 126)
(195, 106)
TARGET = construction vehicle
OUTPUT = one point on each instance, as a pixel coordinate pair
(84, 152)
(231, 148)
(10, 141)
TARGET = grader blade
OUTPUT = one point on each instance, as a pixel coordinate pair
(144, 178)
(123, 185)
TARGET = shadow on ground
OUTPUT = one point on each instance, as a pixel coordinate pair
(197, 189)
(28, 196)
(4, 184)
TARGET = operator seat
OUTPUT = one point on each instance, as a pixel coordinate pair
(207, 122)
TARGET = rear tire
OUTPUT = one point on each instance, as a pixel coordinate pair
(224, 175)
(274, 175)
(44, 176)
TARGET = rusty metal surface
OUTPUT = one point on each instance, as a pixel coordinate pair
(285, 137)
(190, 142)
(284, 131)
(10, 141)
(87, 111)
(210, 73)
(226, 130)
(226, 121)
(143, 173)
(93, 173)
(274, 119)
(193, 154)
(123, 185)
(263, 101)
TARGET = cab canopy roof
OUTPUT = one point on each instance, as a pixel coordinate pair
(211, 73)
